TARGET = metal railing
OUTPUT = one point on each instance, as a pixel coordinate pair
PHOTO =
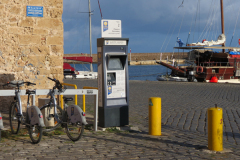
(84, 98)
(219, 64)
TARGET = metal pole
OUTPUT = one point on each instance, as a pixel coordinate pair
(90, 33)
(222, 22)
(130, 54)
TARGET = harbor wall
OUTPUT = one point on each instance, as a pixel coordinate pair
(139, 56)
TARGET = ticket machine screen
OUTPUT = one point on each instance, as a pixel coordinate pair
(115, 63)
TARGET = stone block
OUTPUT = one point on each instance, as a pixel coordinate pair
(13, 19)
(51, 23)
(56, 50)
(25, 50)
(28, 30)
(3, 26)
(55, 3)
(26, 22)
(55, 40)
(2, 15)
(35, 2)
(54, 32)
(34, 50)
(19, 1)
(20, 63)
(36, 60)
(44, 50)
(56, 70)
(40, 50)
(29, 39)
(54, 12)
(13, 24)
(40, 31)
(11, 39)
(43, 71)
(56, 61)
(2, 7)
(13, 9)
(6, 2)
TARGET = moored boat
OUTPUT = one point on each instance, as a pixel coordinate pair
(209, 63)
(171, 78)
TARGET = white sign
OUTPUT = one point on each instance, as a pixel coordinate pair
(111, 28)
(115, 42)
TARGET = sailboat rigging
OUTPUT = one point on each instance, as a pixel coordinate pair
(207, 64)
(86, 74)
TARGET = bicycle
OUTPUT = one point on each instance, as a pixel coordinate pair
(72, 118)
(34, 119)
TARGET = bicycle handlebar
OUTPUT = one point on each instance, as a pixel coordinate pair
(19, 84)
(58, 85)
(52, 79)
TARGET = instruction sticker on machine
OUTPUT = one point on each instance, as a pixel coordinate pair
(116, 84)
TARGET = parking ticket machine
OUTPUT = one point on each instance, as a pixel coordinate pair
(113, 86)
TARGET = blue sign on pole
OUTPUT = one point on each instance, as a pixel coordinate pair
(34, 11)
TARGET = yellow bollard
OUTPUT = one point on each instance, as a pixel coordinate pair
(215, 129)
(84, 102)
(154, 116)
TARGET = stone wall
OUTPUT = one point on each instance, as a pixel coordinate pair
(31, 48)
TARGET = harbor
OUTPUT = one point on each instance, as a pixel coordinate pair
(156, 62)
(138, 58)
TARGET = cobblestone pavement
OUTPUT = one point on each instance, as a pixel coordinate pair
(184, 127)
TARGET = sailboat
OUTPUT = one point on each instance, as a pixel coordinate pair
(84, 74)
(208, 65)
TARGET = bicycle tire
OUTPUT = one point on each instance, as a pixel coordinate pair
(56, 124)
(35, 133)
(14, 120)
(74, 131)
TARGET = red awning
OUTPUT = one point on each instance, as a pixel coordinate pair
(82, 58)
(67, 66)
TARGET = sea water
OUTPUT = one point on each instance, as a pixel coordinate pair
(137, 72)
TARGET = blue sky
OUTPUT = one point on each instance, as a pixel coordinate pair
(151, 25)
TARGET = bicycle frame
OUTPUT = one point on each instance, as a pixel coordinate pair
(17, 95)
(54, 102)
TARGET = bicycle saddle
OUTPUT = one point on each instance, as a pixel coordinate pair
(30, 91)
(66, 99)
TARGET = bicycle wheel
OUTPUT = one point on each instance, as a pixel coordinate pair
(14, 119)
(50, 121)
(74, 130)
(35, 133)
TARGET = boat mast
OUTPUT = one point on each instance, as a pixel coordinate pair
(90, 33)
(222, 21)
